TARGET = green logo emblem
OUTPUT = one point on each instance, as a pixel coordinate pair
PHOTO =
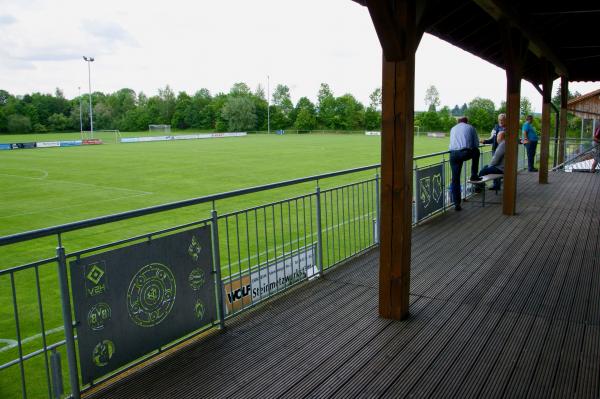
(196, 278)
(103, 352)
(95, 279)
(95, 274)
(194, 249)
(98, 315)
(151, 295)
(199, 310)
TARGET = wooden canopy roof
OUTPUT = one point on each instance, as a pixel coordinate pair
(586, 106)
(564, 33)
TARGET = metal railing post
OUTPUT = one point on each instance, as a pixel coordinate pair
(377, 207)
(319, 232)
(217, 263)
(67, 319)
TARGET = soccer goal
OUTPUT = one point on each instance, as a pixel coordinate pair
(106, 135)
(159, 128)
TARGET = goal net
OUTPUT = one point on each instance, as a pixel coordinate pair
(107, 136)
(159, 128)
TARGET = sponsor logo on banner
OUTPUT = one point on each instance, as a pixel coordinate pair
(71, 143)
(48, 144)
(22, 145)
(372, 133)
(187, 137)
(182, 137)
(5, 147)
(91, 142)
(267, 279)
(155, 138)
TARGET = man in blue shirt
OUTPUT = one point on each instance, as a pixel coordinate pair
(530, 140)
(464, 145)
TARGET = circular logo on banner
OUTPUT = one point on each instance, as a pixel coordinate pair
(98, 315)
(196, 278)
(102, 353)
(151, 295)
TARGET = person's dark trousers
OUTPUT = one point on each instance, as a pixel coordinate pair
(456, 161)
(490, 170)
(531, 147)
(496, 183)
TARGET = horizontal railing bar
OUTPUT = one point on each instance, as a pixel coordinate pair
(347, 185)
(28, 266)
(435, 154)
(274, 203)
(48, 231)
(130, 239)
(31, 355)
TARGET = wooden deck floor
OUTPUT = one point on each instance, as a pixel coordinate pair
(500, 307)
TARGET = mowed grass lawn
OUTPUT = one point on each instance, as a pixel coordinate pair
(51, 186)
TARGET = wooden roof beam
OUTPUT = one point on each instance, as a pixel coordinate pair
(498, 10)
(390, 30)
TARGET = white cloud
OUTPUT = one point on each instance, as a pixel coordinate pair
(145, 45)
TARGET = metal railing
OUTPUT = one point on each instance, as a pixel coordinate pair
(575, 150)
(316, 230)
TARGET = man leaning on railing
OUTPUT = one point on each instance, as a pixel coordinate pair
(464, 145)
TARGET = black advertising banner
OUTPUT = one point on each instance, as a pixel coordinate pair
(430, 190)
(133, 300)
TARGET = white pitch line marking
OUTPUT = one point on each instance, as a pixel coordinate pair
(71, 206)
(301, 239)
(13, 343)
(78, 183)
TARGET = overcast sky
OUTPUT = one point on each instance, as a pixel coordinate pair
(144, 45)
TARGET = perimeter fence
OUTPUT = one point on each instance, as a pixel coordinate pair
(125, 301)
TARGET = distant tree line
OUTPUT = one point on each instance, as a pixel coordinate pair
(482, 113)
(239, 110)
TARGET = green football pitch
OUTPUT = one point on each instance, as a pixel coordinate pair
(51, 186)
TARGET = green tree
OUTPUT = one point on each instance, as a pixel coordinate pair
(526, 108)
(282, 100)
(183, 104)
(58, 122)
(481, 113)
(446, 119)
(240, 114)
(373, 111)
(429, 121)
(432, 98)
(305, 114)
(17, 123)
(239, 89)
(456, 111)
(166, 105)
(325, 107)
(349, 113)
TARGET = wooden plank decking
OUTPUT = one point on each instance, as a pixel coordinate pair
(500, 307)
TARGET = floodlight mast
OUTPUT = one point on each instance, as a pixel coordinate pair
(80, 113)
(268, 107)
(89, 60)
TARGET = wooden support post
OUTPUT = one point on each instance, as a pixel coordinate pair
(395, 24)
(514, 48)
(546, 99)
(562, 134)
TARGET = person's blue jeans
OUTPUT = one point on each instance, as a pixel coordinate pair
(531, 147)
(457, 158)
